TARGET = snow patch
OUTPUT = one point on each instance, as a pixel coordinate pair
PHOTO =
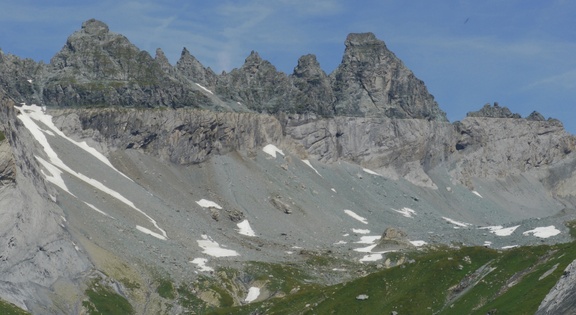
(418, 243)
(35, 112)
(253, 294)
(205, 89)
(213, 249)
(500, 230)
(407, 212)
(371, 257)
(355, 216)
(204, 203)
(458, 223)
(477, 193)
(334, 190)
(272, 150)
(307, 162)
(55, 176)
(370, 172)
(367, 249)
(544, 231)
(371, 239)
(510, 246)
(201, 263)
(98, 210)
(361, 231)
(147, 231)
(340, 243)
(245, 228)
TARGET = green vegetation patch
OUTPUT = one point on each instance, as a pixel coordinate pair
(571, 225)
(11, 309)
(470, 280)
(166, 289)
(103, 300)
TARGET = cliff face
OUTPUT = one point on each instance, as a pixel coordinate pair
(178, 136)
(38, 250)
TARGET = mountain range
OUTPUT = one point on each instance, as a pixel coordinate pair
(130, 185)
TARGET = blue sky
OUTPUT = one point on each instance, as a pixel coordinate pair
(519, 53)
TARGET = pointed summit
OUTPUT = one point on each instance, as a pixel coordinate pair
(372, 81)
(193, 70)
(95, 27)
(313, 92)
(163, 62)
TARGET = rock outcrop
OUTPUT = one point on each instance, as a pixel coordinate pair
(499, 147)
(372, 81)
(562, 298)
(495, 111)
(393, 239)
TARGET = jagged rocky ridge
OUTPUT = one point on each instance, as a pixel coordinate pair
(370, 112)
(97, 67)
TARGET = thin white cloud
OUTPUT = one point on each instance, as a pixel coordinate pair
(565, 80)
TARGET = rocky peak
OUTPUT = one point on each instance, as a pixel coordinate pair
(192, 69)
(535, 116)
(94, 53)
(162, 61)
(359, 43)
(372, 81)
(313, 91)
(495, 111)
(95, 27)
(257, 84)
(308, 67)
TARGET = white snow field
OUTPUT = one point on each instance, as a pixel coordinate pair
(31, 113)
(500, 230)
(370, 172)
(307, 162)
(244, 228)
(544, 231)
(272, 150)
(356, 216)
(253, 294)
(201, 263)
(213, 249)
(205, 89)
(204, 203)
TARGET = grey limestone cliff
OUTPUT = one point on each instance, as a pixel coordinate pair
(37, 252)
